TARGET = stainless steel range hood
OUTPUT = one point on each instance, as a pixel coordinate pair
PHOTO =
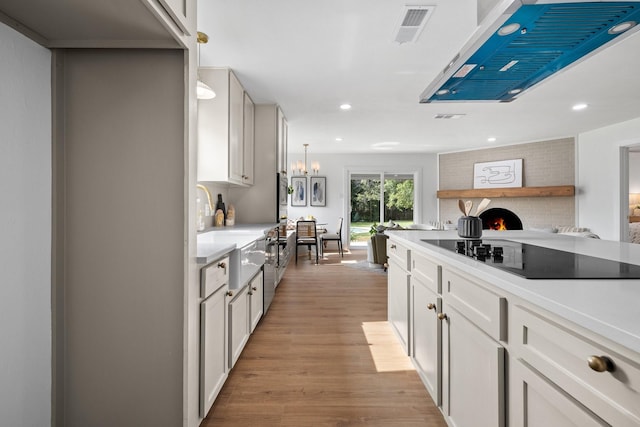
(519, 43)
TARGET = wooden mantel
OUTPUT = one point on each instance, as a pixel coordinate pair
(553, 191)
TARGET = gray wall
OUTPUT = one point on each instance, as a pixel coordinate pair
(545, 163)
(121, 196)
(25, 227)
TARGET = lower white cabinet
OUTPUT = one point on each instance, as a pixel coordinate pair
(534, 401)
(256, 300)
(238, 323)
(584, 369)
(213, 347)
(473, 373)
(398, 302)
(426, 336)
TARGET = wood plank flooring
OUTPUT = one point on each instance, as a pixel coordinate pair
(324, 355)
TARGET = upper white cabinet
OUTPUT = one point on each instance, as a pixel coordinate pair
(222, 122)
(181, 13)
(248, 147)
(283, 141)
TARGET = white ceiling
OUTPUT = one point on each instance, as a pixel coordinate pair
(311, 56)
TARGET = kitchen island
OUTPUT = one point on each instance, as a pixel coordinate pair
(539, 352)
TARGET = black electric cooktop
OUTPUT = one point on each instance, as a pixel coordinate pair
(537, 262)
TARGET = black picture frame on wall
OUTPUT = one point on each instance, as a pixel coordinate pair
(318, 191)
(299, 195)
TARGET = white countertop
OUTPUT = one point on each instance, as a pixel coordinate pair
(216, 242)
(609, 307)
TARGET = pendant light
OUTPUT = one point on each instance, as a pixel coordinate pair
(203, 91)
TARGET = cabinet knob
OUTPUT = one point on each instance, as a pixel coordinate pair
(229, 293)
(222, 265)
(431, 306)
(254, 288)
(442, 316)
(393, 246)
(601, 364)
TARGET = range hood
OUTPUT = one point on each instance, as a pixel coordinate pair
(519, 43)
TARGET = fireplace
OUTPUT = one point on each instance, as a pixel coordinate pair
(500, 219)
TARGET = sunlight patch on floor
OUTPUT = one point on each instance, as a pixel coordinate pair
(386, 351)
(350, 261)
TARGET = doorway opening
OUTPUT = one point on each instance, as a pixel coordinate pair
(377, 199)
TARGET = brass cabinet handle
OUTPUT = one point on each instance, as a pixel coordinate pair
(254, 288)
(229, 293)
(392, 246)
(442, 316)
(222, 265)
(431, 306)
(601, 364)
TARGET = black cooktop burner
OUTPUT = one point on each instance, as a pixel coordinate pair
(537, 262)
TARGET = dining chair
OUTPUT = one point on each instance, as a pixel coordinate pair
(333, 237)
(306, 235)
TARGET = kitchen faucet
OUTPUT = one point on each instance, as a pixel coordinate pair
(203, 188)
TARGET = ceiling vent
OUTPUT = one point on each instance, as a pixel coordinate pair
(448, 116)
(412, 21)
(522, 42)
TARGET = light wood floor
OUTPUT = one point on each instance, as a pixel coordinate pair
(324, 355)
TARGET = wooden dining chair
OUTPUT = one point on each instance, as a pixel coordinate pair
(306, 235)
(333, 237)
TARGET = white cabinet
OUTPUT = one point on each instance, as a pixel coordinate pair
(213, 347)
(256, 300)
(248, 141)
(473, 359)
(221, 130)
(238, 323)
(425, 327)
(398, 292)
(283, 141)
(564, 359)
(264, 191)
(236, 128)
(473, 382)
(534, 401)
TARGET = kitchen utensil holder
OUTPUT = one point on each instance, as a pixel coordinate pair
(470, 227)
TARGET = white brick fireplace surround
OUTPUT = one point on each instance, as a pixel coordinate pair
(546, 163)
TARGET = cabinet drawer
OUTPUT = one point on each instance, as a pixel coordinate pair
(561, 355)
(399, 253)
(482, 307)
(427, 271)
(213, 276)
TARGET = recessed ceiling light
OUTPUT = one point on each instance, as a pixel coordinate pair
(509, 29)
(579, 107)
(515, 91)
(384, 145)
(442, 92)
(622, 27)
(345, 107)
(491, 139)
(338, 139)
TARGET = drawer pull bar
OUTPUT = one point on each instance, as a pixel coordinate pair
(442, 316)
(431, 306)
(601, 364)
